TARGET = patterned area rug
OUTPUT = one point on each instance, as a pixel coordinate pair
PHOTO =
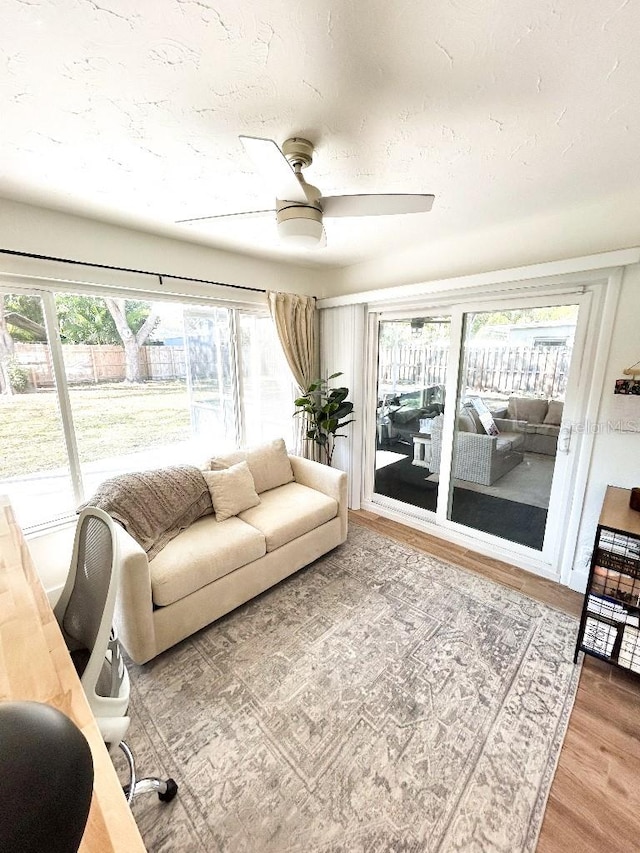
(378, 700)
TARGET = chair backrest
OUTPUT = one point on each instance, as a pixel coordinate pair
(85, 608)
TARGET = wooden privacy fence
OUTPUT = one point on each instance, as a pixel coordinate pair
(502, 369)
(408, 364)
(94, 363)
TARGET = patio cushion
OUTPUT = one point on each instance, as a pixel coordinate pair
(515, 439)
(547, 429)
(466, 422)
(554, 415)
(528, 409)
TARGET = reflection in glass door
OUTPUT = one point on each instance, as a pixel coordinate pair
(513, 381)
(412, 371)
(211, 377)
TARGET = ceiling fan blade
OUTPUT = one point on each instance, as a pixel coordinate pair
(376, 205)
(274, 168)
(226, 215)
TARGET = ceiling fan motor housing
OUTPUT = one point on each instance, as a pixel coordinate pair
(298, 150)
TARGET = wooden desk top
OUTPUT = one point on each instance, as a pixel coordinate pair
(616, 512)
(35, 665)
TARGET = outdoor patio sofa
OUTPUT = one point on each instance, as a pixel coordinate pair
(195, 544)
(478, 457)
(536, 418)
(401, 415)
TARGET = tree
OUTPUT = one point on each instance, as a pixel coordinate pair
(6, 351)
(85, 320)
(132, 339)
(23, 313)
(81, 320)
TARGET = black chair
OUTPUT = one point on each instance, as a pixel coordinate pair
(46, 779)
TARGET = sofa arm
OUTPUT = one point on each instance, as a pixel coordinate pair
(330, 481)
(509, 425)
(133, 615)
(469, 441)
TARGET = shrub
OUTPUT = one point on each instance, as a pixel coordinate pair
(18, 376)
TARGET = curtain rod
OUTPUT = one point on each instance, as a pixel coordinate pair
(126, 269)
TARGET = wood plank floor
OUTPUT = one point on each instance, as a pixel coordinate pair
(594, 804)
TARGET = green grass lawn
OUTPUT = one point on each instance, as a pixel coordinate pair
(110, 420)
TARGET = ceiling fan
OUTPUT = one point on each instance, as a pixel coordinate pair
(300, 207)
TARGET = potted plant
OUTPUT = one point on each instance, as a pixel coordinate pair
(326, 411)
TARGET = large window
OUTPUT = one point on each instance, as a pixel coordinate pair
(93, 386)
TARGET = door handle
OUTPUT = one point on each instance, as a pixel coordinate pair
(564, 438)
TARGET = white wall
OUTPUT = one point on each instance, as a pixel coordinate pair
(616, 455)
(556, 235)
(25, 228)
(342, 341)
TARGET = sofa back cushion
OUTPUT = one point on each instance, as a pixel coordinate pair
(466, 423)
(154, 506)
(554, 415)
(527, 409)
(269, 464)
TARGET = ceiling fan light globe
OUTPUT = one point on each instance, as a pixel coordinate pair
(305, 233)
(299, 225)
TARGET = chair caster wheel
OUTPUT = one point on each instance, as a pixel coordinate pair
(169, 794)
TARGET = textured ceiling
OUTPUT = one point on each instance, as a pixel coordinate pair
(130, 111)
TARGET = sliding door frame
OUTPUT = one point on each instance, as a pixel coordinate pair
(597, 295)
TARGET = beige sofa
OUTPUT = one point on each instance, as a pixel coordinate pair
(299, 512)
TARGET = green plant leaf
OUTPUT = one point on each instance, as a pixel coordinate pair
(343, 410)
(339, 394)
(333, 375)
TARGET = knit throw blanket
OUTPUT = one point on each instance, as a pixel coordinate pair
(154, 506)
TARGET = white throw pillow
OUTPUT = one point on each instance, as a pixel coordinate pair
(269, 464)
(232, 490)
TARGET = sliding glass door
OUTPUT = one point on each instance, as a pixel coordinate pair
(473, 414)
(413, 355)
(514, 378)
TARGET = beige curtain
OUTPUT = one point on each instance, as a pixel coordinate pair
(296, 322)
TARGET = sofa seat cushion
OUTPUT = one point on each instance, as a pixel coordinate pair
(204, 552)
(510, 440)
(289, 511)
(548, 429)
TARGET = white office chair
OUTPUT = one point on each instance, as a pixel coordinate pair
(85, 615)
